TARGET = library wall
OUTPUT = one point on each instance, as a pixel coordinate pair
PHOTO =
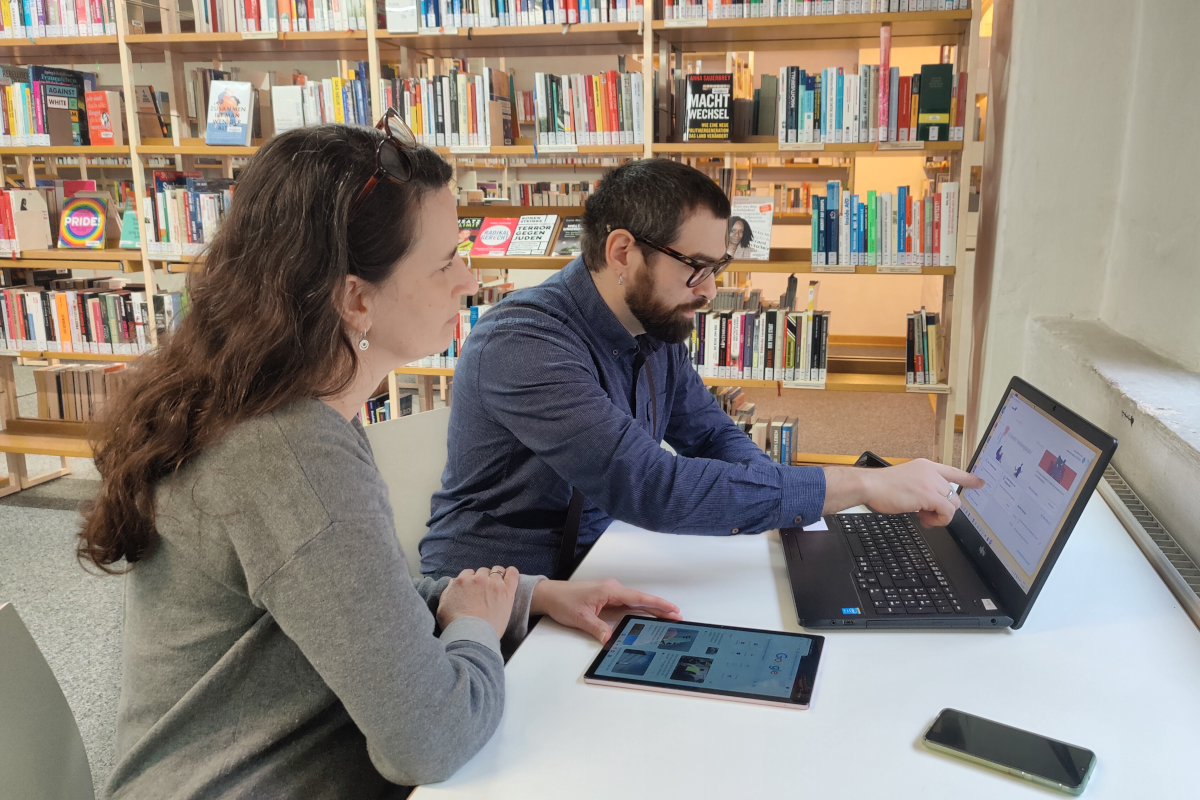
(1095, 280)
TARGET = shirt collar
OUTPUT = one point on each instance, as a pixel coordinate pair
(600, 318)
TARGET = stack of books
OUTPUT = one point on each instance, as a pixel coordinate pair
(898, 232)
(773, 345)
(94, 316)
(186, 210)
(280, 16)
(600, 109)
(501, 13)
(454, 108)
(924, 361)
(32, 19)
(44, 106)
(727, 9)
(76, 392)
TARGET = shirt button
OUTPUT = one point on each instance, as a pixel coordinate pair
(735, 530)
(798, 520)
(616, 352)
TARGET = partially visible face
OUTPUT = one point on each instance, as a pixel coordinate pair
(658, 295)
(416, 309)
(736, 230)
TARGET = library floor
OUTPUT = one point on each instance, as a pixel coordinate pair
(75, 617)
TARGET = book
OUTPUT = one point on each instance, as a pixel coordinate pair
(130, 234)
(494, 235)
(287, 107)
(468, 230)
(749, 235)
(105, 119)
(708, 107)
(82, 223)
(533, 235)
(933, 111)
(229, 117)
(567, 243)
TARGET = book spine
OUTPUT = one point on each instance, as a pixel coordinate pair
(949, 224)
(885, 55)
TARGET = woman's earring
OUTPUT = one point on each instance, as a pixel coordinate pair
(363, 344)
(620, 281)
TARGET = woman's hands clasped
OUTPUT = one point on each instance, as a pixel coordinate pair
(484, 593)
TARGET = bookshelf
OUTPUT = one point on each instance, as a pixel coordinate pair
(653, 40)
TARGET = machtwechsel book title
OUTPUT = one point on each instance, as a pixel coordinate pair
(709, 107)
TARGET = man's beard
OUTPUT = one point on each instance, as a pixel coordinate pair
(668, 324)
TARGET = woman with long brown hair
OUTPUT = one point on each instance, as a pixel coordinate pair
(274, 643)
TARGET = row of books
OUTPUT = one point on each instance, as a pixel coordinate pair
(90, 320)
(183, 211)
(30, 19)
(379, 409)
(924, 359)
(527, 235)
(280, 16)
(458, 108)
(849, 106)
(77, 391)
(329, 100)
(441, 14)
(772, 345)
(605, 108)
(745, 9)
(897, 230)
(43, 106)
(551, 193)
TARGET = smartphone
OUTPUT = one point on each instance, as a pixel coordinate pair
(1046, 762)
(869, 459)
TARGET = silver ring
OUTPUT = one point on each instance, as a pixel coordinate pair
(497, 572)
(950, 493)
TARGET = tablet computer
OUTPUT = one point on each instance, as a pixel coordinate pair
(747, 664)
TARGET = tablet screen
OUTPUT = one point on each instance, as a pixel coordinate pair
(712, 659)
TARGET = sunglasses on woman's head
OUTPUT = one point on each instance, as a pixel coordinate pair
(701, 268)
(392, 160)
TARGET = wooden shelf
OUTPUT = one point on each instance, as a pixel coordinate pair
(516, 211)
(63, 49)
(830, 32)
(834, 382)
(784, 218)
(854, 150)
(235, 46)
(784, 260)
(65, 150)
(45, 355)
(588, 38)
(111, 258)
(195, 150)
(45, 437)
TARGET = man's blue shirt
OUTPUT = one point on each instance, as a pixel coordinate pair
(546, 398)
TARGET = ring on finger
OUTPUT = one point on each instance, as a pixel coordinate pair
(497, 572)
(950, 493)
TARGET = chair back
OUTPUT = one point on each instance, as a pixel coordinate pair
(411, 455)
(41, 752)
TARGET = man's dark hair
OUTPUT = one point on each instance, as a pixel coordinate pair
(650, 198)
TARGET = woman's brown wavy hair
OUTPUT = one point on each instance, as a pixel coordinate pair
(261, 329)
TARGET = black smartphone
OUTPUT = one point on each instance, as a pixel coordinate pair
(869, 459)
(1038, 759)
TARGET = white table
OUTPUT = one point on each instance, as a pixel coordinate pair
(1106, 660)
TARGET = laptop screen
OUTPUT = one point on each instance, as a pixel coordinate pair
(1034, 467)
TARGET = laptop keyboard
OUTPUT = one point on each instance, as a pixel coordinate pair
(895, 567)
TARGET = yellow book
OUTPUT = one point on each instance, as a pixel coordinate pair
(339, 110)
(597, 95)
(8, 105)
(6, 16)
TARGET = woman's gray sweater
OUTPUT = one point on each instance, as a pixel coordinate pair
(275, 644)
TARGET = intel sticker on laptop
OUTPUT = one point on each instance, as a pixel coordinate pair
(851, 611)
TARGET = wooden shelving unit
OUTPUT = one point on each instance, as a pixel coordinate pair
(645, 40)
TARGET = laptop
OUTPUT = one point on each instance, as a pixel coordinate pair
(1041, 462)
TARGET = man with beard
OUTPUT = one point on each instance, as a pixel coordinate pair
(564, 392)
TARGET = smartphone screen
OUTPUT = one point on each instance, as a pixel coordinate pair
(1061, 763)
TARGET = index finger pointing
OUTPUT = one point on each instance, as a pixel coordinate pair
(964, 479)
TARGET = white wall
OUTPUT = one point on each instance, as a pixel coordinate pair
(1098, 221)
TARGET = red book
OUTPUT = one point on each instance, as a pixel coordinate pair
(494, 236)
(937, 227)
(572, 11)
(311, 14)
(904, 99)
(252, 15)
(885, 65)
(614, 115)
